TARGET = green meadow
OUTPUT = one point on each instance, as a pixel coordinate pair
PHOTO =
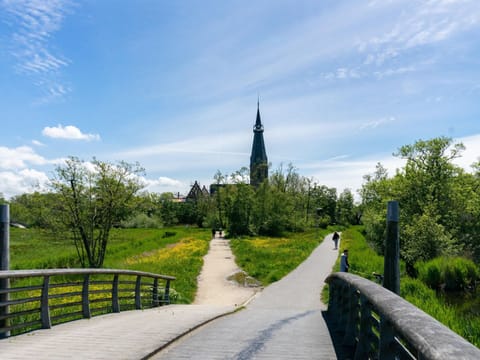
(179, 251)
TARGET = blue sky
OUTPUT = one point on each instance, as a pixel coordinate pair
(174, 85)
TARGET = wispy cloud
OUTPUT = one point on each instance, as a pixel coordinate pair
(377, 122)
(34, 22)
(37, 143)
(343, 73)
(68, 132)
(420, 24)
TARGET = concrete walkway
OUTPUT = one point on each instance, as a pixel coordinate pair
(282, 322)
(128, 335)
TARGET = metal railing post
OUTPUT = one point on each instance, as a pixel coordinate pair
(365, 335)
(85, 298)
(44, 307)
(115, 300)
(391, 269)
(166, 295)
(138, 288)
(342, 310)
(333, 303)
(4, 264)
(349, 338)
(386, 341)
(155, 301)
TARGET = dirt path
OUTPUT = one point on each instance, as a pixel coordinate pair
(213, 286)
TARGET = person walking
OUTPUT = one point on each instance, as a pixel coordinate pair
(344, 265)
(335, 238)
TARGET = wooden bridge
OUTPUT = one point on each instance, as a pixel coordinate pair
(285, 321)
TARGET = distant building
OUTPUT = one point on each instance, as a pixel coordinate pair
(258, 158)
(196, 192)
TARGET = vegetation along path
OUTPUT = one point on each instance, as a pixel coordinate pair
(282, 322)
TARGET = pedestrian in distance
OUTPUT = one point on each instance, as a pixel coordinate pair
(335, 240)
(213, 233)
(344, 265)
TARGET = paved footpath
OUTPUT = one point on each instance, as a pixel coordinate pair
(282, 322)
(128, 335)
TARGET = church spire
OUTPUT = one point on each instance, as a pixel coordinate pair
(258, 122)
(258, 158)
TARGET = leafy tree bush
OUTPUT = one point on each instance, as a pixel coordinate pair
(439, 203)
(448, 273)
(142, 221)
(423, 239)
(93, 198)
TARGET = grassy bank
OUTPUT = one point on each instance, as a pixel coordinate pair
(364, 261)
(174, 251)
(269, 259)
(171, 251)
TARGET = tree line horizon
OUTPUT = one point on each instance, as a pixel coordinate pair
(439, 204)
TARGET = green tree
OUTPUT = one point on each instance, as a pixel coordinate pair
(94, 197)
(428, 176)
(168, 209)
(376, 191)
(238, 203)
(423, 239)
(324, 203)
(35, 210)
(345, 209)
(439, 203)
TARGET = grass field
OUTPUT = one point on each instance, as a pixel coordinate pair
(179, 251)
(269, 259)
(174, 251)
(170, 251)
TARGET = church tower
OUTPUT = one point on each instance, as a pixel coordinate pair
(258, 158)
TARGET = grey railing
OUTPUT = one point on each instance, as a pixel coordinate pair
(375, 323)
(42, 298)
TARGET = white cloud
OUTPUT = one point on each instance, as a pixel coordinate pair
(23, 181)
(161, 183)
(68, 132)
(18, 158)
(471, 154)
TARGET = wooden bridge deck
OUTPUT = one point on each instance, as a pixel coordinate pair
(283, 322)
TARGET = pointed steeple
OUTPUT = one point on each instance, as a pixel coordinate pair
(258, 158)
(258, 121)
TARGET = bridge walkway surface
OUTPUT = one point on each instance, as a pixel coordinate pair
(284, 321)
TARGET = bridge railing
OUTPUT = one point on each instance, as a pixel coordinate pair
(42, 298)
(375, 323)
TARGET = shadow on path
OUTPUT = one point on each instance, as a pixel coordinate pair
(343, 352)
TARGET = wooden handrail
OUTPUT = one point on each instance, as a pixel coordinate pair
(42, 298)
(377, 323)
